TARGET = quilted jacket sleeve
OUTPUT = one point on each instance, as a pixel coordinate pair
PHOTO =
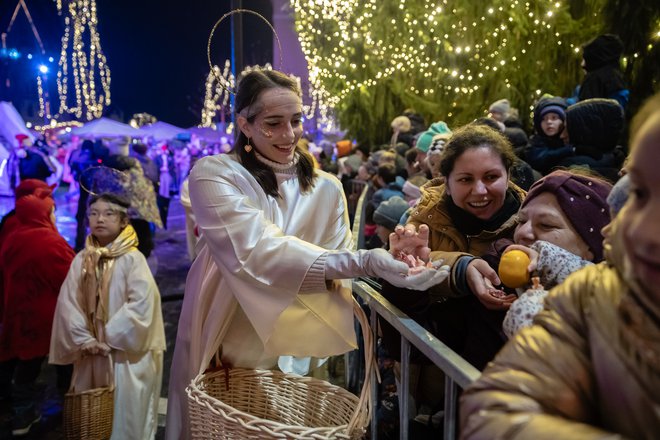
(540, 385)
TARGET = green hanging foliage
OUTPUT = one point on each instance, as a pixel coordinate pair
(447, 60)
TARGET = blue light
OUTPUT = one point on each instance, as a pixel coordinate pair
(43, 68)
(29, 57)
(13, 53)
(50, 59)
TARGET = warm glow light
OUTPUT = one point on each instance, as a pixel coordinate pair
(429, 53)
(81, 47)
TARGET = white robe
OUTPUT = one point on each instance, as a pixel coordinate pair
(242, 291)
(135, 332)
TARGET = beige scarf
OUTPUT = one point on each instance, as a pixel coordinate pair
(97, 267)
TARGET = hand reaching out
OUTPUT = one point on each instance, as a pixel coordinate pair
(481, 279)
(408, 241)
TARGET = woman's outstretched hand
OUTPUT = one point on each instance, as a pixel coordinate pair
(481, 279)
(409, 244)
(381, 264)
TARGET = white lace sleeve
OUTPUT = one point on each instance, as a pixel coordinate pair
(556, 263)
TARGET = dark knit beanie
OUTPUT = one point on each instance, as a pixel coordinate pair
(602, 51)
(584, 202)
(560, 111)
(390, 211)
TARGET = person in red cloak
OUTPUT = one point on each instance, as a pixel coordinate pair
(10, 222)
(34, 260)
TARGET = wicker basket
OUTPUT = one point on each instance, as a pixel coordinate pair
(262, 404)
(88, 414)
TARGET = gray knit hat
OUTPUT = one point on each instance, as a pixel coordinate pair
(390, 211)
(500, 106)
(619, 195)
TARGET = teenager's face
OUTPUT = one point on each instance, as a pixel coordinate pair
(105, 221)
(478, 182)
(640, 218)
(277, 127)
(551, 124)
(543, 219)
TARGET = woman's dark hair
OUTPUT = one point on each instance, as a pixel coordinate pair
(111, 198)
(476, 136)
(250, 88)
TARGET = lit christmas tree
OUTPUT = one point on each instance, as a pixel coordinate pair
(83, 78)
(447, 60)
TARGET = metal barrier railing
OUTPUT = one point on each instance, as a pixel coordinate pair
(458, 372)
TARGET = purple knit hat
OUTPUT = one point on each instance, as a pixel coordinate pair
(584, 202)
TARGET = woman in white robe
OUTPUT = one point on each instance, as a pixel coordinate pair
(274, 234)
(133, 332)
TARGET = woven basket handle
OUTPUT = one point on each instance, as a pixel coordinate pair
(363, 410)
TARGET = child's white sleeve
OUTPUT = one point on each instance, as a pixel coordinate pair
(137, 326)
(70, 330)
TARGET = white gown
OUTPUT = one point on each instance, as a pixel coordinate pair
(134, 330)
(243, 290)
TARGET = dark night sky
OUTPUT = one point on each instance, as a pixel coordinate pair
(156, 49)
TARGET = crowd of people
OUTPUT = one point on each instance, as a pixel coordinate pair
(572, 351)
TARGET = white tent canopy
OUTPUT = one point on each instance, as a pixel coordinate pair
(104, 127)
(162, 131)
(208, 134)
(11, 124)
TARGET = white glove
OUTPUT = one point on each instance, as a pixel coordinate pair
(381, 264)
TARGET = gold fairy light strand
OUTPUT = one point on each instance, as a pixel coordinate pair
(216, 97)
(81, 19)
(222, 81)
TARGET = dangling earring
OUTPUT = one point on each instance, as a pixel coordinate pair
(247, 146)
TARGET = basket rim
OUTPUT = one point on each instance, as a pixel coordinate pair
(363, 405)
(110, 388)
(194, 392)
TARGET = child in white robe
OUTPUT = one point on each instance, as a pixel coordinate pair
(109, 305)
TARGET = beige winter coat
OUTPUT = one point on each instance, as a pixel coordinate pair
(589, 367)
(445, 240)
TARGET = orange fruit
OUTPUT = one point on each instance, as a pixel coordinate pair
(513, 269)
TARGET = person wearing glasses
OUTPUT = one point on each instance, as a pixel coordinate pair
(109, 305)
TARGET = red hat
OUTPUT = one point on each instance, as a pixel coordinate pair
(21, 136)
(30, 186)
(34, 209)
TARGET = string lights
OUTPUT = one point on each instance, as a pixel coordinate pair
(216, 97)
(44, 110)
(447, 59)
(88, 69)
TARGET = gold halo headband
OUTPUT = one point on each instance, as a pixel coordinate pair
(221, 81)
(101, 179)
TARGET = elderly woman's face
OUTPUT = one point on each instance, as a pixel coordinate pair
(543, 219)
(478, 182)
